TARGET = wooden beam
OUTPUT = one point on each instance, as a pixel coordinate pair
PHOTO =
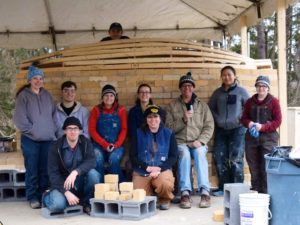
(282, 74)
(244, 36)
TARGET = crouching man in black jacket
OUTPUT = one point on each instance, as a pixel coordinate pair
(71, 163)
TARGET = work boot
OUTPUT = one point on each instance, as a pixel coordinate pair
(185, 202)
(205, 201)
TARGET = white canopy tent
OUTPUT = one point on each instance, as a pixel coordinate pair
(60, 23)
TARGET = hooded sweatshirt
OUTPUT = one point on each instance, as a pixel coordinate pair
(79, 112)
(34, 115)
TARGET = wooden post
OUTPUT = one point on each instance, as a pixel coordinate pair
(244, 36)
(282, 75)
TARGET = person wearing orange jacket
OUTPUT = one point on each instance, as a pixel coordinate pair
(108, 130)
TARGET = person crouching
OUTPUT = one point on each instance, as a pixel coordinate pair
(71, 164)
(153, 153)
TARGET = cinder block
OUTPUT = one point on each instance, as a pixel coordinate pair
(6, 178)
(12, 193)
(139, 210)
(231, 202)
(67, 212)
(19, 178)
(130, 210)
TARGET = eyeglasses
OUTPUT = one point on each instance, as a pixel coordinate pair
(72, 128)
(69, 90)
(144, 92)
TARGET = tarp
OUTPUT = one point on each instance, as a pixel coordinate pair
(41, 23)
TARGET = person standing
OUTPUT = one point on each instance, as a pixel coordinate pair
(226, 104)
(153, 153)
(193, 125)
(262, 115)
(70, 107)
(71, 166)
(108, 130)
(34, 117)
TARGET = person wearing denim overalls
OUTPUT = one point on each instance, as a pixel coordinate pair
(108, 130)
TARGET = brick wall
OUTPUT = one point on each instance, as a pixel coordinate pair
(164, 83)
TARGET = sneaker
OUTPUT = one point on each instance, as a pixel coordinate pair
(35, 204)
(185, 202)
(205, 201)
(87, 210)
(218, 193)
(164, 205)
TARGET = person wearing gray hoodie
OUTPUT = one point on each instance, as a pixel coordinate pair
(70, 107)
(34, 117)
(226, 104)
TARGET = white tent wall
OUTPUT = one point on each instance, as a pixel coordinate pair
(25, 23)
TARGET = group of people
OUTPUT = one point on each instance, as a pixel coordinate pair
(74, 149)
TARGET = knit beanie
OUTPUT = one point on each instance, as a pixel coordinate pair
(109, 89)
(34, 71)
(152, 109)
(72, 121)
(186, 79)
(263, 80)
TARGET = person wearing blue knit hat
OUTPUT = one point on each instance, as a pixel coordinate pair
(34, 117)
(34, 71)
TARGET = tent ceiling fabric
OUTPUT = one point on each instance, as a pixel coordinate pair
(25, 23)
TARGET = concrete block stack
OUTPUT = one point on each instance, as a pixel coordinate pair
(121, 201)
(12, 183)
(231, 202)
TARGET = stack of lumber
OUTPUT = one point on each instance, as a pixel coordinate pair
(139, 53)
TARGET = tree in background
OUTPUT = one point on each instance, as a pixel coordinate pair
(263, 44)
(9, 67)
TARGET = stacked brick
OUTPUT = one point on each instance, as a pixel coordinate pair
(122, 202)
(12, 184)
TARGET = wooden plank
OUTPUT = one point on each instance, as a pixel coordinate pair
(57, 53)
(142, 66)
(150, 60)
(136, 54)
(105, 51)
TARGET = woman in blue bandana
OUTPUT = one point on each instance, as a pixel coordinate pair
(34, 117)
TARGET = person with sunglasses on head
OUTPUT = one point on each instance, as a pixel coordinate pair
(193, 125)
(70, 107)
(226, 104)
(262, 116)
(71, 164)
(108, 130)
(34, 117)
(153, 152)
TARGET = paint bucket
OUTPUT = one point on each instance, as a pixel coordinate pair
(254, 208)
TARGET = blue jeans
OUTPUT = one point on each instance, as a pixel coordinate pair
(229, 155)
(35, 159)
(186, 154)
(84, 188)
(113, 159)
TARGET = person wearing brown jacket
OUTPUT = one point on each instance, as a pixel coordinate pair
(193, 125)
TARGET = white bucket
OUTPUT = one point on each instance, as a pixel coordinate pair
(254, 208)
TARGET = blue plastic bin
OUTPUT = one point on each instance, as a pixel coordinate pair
(284, 188)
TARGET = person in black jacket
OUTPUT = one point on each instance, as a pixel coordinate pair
(71, 163)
